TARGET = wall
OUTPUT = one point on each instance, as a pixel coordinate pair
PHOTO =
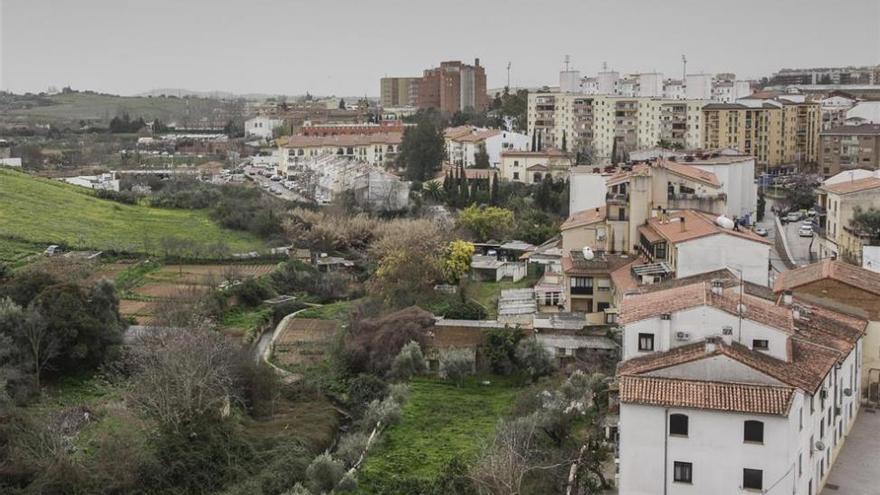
(718, 251)
(738, 182)
(586, 191)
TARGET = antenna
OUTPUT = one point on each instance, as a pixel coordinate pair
(508, 74)
(684, 64)
(567, 62)
(604, 66)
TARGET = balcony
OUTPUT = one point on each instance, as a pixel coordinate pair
(618, 198)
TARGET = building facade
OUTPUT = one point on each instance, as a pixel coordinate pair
(837, 205)
(531, 167)
(453, 86)
(849, 147)
(399, 91)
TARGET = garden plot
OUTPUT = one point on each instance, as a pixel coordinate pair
(303, 341)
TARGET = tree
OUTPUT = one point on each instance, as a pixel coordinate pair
(762, 205)
(342, 104)
(324, 473)
(799, 194)
(486, 222)
(422, 150)
(533, 358)
(408, 254)
(457, 260)
(434, 190)
(504, 463)
(37, 345)
(500, 349)
(481, 158)
(457, 365)
(409, 362)
(494, 197)
(867, 222)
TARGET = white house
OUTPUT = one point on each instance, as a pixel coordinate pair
(464, 142)
(107, 181)
(737, 177)
(261, 126)
(865, 111)
(725, 392)
(586, 189)
(690, 242)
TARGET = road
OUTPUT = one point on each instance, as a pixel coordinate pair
(799, 246)
(273, 188)
(855, 471)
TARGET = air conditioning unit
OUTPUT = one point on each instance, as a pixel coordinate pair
(727, 331)
(682, 336)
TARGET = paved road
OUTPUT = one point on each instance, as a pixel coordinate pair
(273, 188)
(798, 245)
(857, 470)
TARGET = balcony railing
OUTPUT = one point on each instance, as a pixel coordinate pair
(617, 197)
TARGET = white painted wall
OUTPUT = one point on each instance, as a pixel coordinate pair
(718, 251)
(698, 86)
(738, 182)
(586, 191)
(261, 127)
(505, 141)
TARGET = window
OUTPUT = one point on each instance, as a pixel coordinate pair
(760, 344)
(678, 424)
(646, 341)
(800, 464)
(581, 285)
(753, 431)
(516, 176)
(801, 418)
(683, 472)
(753, 479)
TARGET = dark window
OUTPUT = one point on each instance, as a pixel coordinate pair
(678, 424)
(602, 306)
(646, 341)
(683, 472)
(753, 431)
(581, 285)
(753, 479)
(760, 344)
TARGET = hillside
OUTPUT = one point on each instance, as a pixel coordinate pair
(43, 212)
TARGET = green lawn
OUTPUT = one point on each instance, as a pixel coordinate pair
(338, 310)
(16, 252)
(440, 421)
(44, 212)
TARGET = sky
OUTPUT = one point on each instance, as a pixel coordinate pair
(343, 47)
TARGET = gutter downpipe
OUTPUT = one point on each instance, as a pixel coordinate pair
(665, 452)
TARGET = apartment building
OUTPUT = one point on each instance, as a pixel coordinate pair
(723, 391)
(837, 204)
(464, 142)
(605, 125)
(374, 149)
(828, 75)
(261, 127)
(453, 86)
(399, 91)
(779, 133)
(848, 147)
(587, 282)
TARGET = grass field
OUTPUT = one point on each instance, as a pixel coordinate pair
(16, 252)
(45, 212)
(440, 421)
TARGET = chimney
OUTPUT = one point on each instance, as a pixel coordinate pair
(682, 223)
(797, 312)
(476, 62)
(786, 297)
(717, 287)
(711, 345)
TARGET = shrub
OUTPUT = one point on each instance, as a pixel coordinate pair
(464, 310)
(324, 473)
(457, 365)
(374, 342)
(348, 483)
(399, 392)
(410, 361)
(351, 447)
(363, 390)
(298, 489)
(251, 292)
(500, 349)
(384, 413)
(279, 311)
(533, 358)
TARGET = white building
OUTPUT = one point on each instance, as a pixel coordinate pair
(737, 177)
(865, 112)
(375, 149)
(464, 142)
(378, 190)
(698, 86)
(723, 392)
(586, 189)
(10, 162)
(673, 89)
(261, 127)
(730, 91)
(106, 181)
(651, 85)
(569, 81)
(606, 82)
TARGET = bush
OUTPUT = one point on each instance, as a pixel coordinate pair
(324, 473)
(363, 390)
(351, 447)
(251, 292)
(409, 362)
(533, 358)
(399, 392)
(384, 413)
(279, 311)
(347, 484)
(457, 365)
(464, 310)
(500, 349)
(375, 342)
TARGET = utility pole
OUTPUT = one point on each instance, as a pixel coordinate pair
(508, 75)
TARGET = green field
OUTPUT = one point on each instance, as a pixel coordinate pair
(440, 422)
(43, 212)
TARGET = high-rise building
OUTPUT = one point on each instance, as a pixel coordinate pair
(399, 91)
(453, 86)
(848, 147)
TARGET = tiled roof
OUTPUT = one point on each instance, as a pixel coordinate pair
(584, 217)
(456, 132)
(691, 172)
(852, 275)
(637, 307)
(299, 141)
(550, 152)
(623, 279)
(696, 225)
(718, 396)
(852, 186)
(478, 136)
(829, 328)
(574, 263)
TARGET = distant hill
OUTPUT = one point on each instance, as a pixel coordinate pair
(43, 212)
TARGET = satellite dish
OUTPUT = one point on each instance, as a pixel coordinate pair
(820, 445)
(847, 392)
(588, 253)
(724, 222)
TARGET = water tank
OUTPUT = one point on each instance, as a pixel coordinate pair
(588, 253)
(724, 222)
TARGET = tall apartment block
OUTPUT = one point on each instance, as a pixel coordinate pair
(400, 91)
(454, 86)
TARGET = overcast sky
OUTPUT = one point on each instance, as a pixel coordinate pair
(343, 47)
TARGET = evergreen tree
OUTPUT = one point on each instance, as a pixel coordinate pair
(494, 192)
(564, 142)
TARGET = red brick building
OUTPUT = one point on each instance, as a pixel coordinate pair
(454, 86)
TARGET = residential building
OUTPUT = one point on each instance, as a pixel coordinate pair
(722, 391)
(736, 174)
(561, 120)
(587, 283)
(375, 149)
(106, 181)
(399, 91)
(325, 129)
(587, 187)
(730, 91)
(378, 190)
(777, 132)
(848, 289)
(586, 228)
(464, 142)
(849, 146)
(262, 127)
(453, 86)
(834, 107)
(698, 86)
(864, 112)
(837, 205)
(690, 242)
(869, 75)
(530, 167)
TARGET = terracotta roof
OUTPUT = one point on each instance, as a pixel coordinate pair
(546, 153)
(829, 328)
(574, 263)
(650, 234)
(455, 132)
(806, 369)
(638, 307)
(852, 186)
(478, 136)
(691, 172)
(718, 396)
(697, 224)
(623, 279)
(852, 275)
(299, 141)
(585, 217)
(640, 169)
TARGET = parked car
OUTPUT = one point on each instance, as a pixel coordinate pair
(793, 216)
(806, 231)
(761, 231)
